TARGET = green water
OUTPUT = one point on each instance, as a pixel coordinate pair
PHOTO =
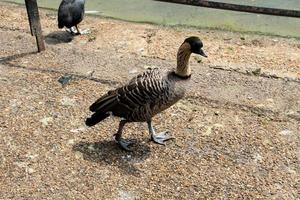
(174, 14)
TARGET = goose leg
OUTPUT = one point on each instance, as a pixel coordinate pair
(82, 32)
(124, 144)
(70, 30)
(78, 31)
(159, 138)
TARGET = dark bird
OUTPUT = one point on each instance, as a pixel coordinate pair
(147, 94)
(70, 14)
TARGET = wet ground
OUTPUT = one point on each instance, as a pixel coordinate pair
(237, 131)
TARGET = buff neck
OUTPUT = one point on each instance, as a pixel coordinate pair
(183, 56)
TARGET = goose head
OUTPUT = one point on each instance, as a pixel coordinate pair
(195, 45)
(190, 45)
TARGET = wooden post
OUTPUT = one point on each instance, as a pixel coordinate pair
(34, 23)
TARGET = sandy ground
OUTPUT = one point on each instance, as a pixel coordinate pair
(237, 134)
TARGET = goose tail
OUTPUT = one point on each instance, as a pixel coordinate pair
(101, 108)
(96, 118)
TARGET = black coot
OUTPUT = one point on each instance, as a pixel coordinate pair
(70, 14)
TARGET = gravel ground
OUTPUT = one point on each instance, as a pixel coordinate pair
(237, 131)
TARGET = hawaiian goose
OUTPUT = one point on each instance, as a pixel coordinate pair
(70, 14)
(147, 94)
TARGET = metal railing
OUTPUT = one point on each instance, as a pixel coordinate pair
(236, 7)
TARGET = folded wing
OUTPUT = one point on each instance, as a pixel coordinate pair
(135, 101)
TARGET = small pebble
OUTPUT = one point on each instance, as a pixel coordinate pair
(141, 49)
(71, 141)
(90, 73)
(21, 164)
(32, 157)
(208, 131)
(257, 157)
(133, 71)
(218, 125)
(45, 121)
(286, 132)
(91, 147)
(126, 195)
(78, 155)
(64, 80)
(30, 170)
(256, 72)
(66, 101)
(78, 130)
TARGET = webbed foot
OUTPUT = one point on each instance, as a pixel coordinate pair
(85, 31)
(160, 138)
(125, 144)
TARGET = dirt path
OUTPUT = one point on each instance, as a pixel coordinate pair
(237, 134)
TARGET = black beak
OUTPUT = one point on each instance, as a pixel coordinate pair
(201, 52)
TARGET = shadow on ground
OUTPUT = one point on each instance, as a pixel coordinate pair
(58, 37)
(108, 152)
(16, 56)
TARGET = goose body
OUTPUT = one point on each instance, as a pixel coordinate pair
(147, 94)
(141, 99)
(70, 13)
